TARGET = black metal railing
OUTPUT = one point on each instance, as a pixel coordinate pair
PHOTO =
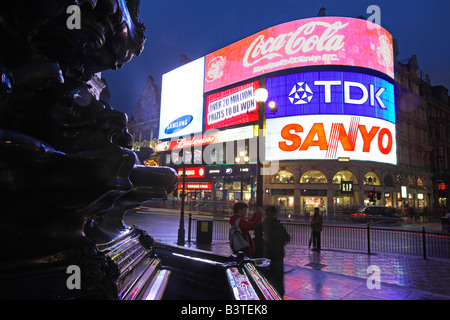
(367, 239)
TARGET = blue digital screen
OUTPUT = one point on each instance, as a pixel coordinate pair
(331, 92)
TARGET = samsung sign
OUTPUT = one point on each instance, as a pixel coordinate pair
(329, 115)
(182, 100)
(332, 92)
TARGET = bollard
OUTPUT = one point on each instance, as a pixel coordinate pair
(189, 227)
(424, 243)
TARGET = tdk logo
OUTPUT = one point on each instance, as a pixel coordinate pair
(301, 93)
(353, 92)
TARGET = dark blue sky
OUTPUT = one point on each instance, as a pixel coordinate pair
(199, 27)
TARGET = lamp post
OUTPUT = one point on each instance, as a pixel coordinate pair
(245, 160)
(181, 231)
(261, 96)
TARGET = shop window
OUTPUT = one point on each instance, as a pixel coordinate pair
(283, 176)
(313, 176)
(371, 179)
(344, 176)
(410, 181)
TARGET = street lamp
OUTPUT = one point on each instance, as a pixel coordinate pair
(241, 160)
(261, 96)
(181, 231)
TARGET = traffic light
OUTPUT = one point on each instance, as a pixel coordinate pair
(371, 196)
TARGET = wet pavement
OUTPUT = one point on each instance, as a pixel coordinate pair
(335, 274)
(342, 275)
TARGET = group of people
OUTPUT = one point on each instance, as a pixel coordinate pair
(270, 237)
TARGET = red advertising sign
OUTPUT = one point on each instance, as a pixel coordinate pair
(196, 172)
(306, 42)
(232, 106)
(213, 136)
(195, 185)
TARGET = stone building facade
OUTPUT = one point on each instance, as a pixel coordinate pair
(144, 124)
(419, 179)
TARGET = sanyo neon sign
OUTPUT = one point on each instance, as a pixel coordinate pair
(331, 137)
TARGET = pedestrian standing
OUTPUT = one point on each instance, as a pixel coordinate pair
(316, 227)
(240, 212)
(275, 237)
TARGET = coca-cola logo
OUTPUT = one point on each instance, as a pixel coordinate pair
(215, 68)
(315, 35)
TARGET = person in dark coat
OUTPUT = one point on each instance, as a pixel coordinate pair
(275, 237)
(316, 227)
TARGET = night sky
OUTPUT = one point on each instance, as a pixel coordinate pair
(198, 27)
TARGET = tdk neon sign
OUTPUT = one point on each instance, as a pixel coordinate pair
(332, 92)
(347, 96)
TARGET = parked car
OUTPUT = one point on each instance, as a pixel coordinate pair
(377, 214)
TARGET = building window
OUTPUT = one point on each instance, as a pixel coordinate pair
(388, 181)
(283, 176)
(313, 176)
(344, 176)
(371, 179)
(419, 182)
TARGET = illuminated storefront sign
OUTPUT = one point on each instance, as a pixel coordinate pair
(182, 100)
(195, 172)
(231, 107)
(195, 185)
(306, 42)
(209, 137)
(332, 92)
(346, 187)
(326, 137)
(230, 170)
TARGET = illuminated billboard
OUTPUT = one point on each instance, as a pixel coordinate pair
(307, 42)
(182, 100)
(332, 92)
(327, 137)
(232, 106)
(208, 137)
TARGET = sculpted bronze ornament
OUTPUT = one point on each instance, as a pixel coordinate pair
(67, 174)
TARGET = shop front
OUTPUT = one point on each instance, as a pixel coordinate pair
(284, 198)
(197, 185)
(313, 198)
(232, 182)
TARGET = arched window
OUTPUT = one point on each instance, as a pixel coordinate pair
(372, 179)
(283, 176)
(313, 176)
(344, 176)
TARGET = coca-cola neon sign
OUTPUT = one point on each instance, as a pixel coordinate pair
(307, 42)
(331, 137)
